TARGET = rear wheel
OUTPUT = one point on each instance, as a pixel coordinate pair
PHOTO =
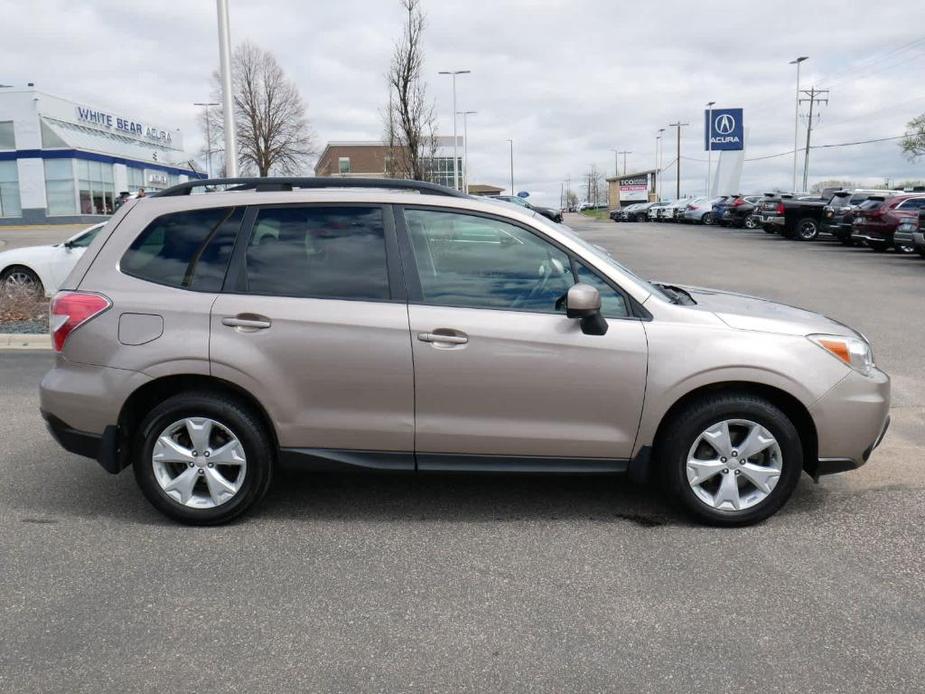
(707, 218)
(19, 279)
(731, 459)
(751, 222)
(203, 458)
(807, 229)
(904, 248)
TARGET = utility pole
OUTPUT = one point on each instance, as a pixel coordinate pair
(224, 54)
(455, 138)
(796, 118)
(206, 105)
(814, 96)
(678, 125)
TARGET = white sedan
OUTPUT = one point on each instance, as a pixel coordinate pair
(42, 269)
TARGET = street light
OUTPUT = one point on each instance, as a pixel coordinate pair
(709, 142)
(464, 114)
(796, 118)
(453, 73)
(224, 54)
(659, 149)
(206, 105)
(512, 166)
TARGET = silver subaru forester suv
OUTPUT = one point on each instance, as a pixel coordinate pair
(205, 337)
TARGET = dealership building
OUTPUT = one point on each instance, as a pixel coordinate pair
(64, 162)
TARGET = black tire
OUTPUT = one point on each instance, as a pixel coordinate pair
(681, 432)
(921, 251)
(24, 278)
(239, 419)
(878, 246)
(707, 219)
(806, 229)
(768, 229)
(904, 248)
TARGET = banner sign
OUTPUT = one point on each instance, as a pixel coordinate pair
(725, 129)
(634, 189)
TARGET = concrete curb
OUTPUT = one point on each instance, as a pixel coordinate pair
(25, 341)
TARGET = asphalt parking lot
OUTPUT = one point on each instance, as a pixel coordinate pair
(365, 583)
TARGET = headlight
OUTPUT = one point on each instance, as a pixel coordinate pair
(854, 351)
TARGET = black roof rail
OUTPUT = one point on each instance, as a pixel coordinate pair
(285, 183)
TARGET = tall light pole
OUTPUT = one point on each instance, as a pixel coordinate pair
(616, 161)
(464, 114)
(224, 55)
(678, 125)
(709, 143)
(796, 118)
(206, 105)
(453, 73)
(624, 153)
(659, 151)
(512, 166)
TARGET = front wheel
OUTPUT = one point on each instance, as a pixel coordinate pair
(21, 280)
(905, 248)
(202, 458)
(807, 229)
(751, 222)
(731, 459)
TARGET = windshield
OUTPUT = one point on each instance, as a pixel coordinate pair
(604, 255)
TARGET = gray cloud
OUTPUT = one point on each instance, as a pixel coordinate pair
(566, 80)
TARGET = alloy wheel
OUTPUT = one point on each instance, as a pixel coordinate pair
(20, 282)
(199, 462)
(734, 465)
(808, 230)
(750, 222)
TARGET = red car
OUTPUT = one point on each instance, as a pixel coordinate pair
(875, 222)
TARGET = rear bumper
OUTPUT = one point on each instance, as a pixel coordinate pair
(773, 220)
(851, 420)
(103, 448)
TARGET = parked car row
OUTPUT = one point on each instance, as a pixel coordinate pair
(879, 219)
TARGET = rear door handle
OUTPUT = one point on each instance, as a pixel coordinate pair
(443, 339)
(247, 323)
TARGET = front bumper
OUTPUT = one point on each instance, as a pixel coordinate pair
(918, 240)
(851, 420)
(903, 237)
(840, 230)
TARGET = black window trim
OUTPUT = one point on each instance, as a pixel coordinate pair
(235, 279)
(232, 209)
(415, 292)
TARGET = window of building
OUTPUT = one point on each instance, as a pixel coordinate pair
(441, 170)
(318, 252)
(185, 249)
(477, 262)
(343, 165)
(135, 179)
(7, 135)
(96, 188)
(51, 139)
(9, 190)
(60, 194)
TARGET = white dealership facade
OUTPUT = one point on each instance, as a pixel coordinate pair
(62, 161)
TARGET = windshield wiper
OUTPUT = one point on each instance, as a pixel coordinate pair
(677, 294)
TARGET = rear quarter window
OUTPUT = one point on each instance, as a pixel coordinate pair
(189, 250)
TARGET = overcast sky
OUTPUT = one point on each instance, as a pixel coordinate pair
(568, 80)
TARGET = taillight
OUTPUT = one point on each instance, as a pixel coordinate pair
(691, 207)
(780, 208)
(70, 310)
(738, 201)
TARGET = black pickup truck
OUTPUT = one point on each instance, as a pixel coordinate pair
(798, 217)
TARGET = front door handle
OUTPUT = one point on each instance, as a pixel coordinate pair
(253, 323)
(440, 338)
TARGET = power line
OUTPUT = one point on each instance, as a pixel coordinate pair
(839, 144)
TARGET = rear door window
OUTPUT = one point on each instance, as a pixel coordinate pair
(318, 252)
(189, 250)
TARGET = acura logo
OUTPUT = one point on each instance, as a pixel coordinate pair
(724, 124)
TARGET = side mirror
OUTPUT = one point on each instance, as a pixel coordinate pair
(584, 302)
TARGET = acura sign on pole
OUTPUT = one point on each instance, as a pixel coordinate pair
(725, 129)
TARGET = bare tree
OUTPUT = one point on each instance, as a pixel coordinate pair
(913, 144)
(410, 122)
(273, 132)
